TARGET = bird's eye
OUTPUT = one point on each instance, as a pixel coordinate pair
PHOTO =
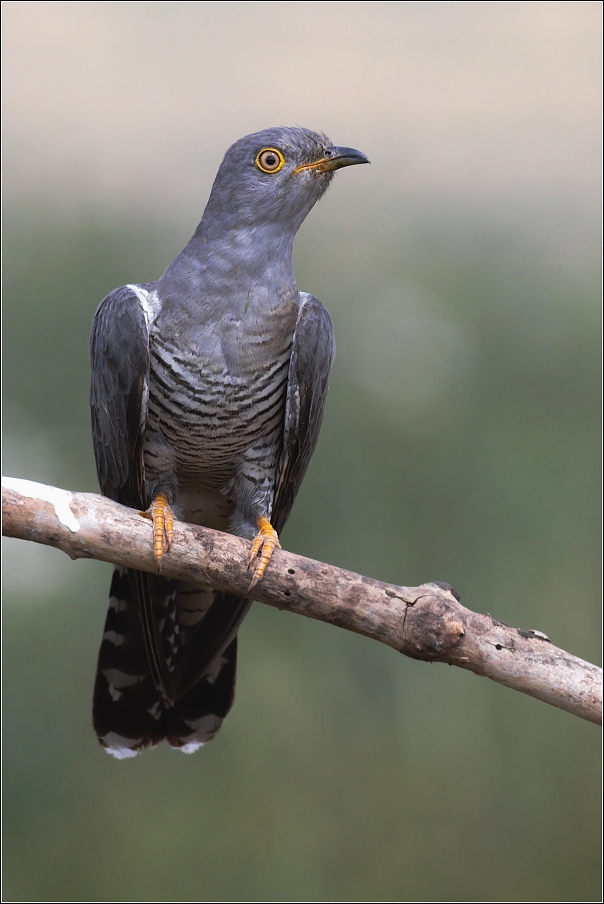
(270, 160)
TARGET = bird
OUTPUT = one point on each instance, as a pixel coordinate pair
(208, 388)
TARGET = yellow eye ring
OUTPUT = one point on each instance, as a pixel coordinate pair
(270, 160)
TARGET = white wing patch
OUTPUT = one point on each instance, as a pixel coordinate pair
(149, 303)
(151, 307)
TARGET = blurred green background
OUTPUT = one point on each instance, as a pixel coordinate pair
(461, 443)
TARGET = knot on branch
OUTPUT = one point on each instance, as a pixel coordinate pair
(434, 628)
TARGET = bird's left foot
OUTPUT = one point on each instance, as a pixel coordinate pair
(265, 543)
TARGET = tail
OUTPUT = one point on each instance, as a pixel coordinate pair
(129, 712)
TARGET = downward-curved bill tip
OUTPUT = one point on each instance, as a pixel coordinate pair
(335, 158)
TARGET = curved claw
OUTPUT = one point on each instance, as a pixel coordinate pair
(265, 543)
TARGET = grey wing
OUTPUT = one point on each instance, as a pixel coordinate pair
(119, 356)
(312, 355)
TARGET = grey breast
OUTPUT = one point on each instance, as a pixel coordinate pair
(215, 405)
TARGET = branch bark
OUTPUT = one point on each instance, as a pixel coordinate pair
(426, 622)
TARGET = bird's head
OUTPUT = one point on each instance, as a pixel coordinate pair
(275, 176)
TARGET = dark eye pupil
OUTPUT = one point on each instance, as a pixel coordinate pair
(270, 160)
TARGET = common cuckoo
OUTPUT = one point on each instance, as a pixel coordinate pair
(207, 394)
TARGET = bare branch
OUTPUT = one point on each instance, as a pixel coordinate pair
(425, 622)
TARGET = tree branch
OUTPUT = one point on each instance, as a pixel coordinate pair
(426, 622)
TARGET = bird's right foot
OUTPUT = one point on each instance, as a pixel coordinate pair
(162, 516)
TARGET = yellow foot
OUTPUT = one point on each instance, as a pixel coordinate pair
(264, 543)
(163, 526)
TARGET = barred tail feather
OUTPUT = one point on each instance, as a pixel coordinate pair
(194, 719)
(129, 712)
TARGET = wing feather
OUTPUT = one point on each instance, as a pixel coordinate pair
(119, 356)
(313, 351)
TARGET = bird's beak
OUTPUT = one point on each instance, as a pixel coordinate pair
(333, 159)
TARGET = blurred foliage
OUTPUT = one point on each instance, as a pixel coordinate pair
(461, 443)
